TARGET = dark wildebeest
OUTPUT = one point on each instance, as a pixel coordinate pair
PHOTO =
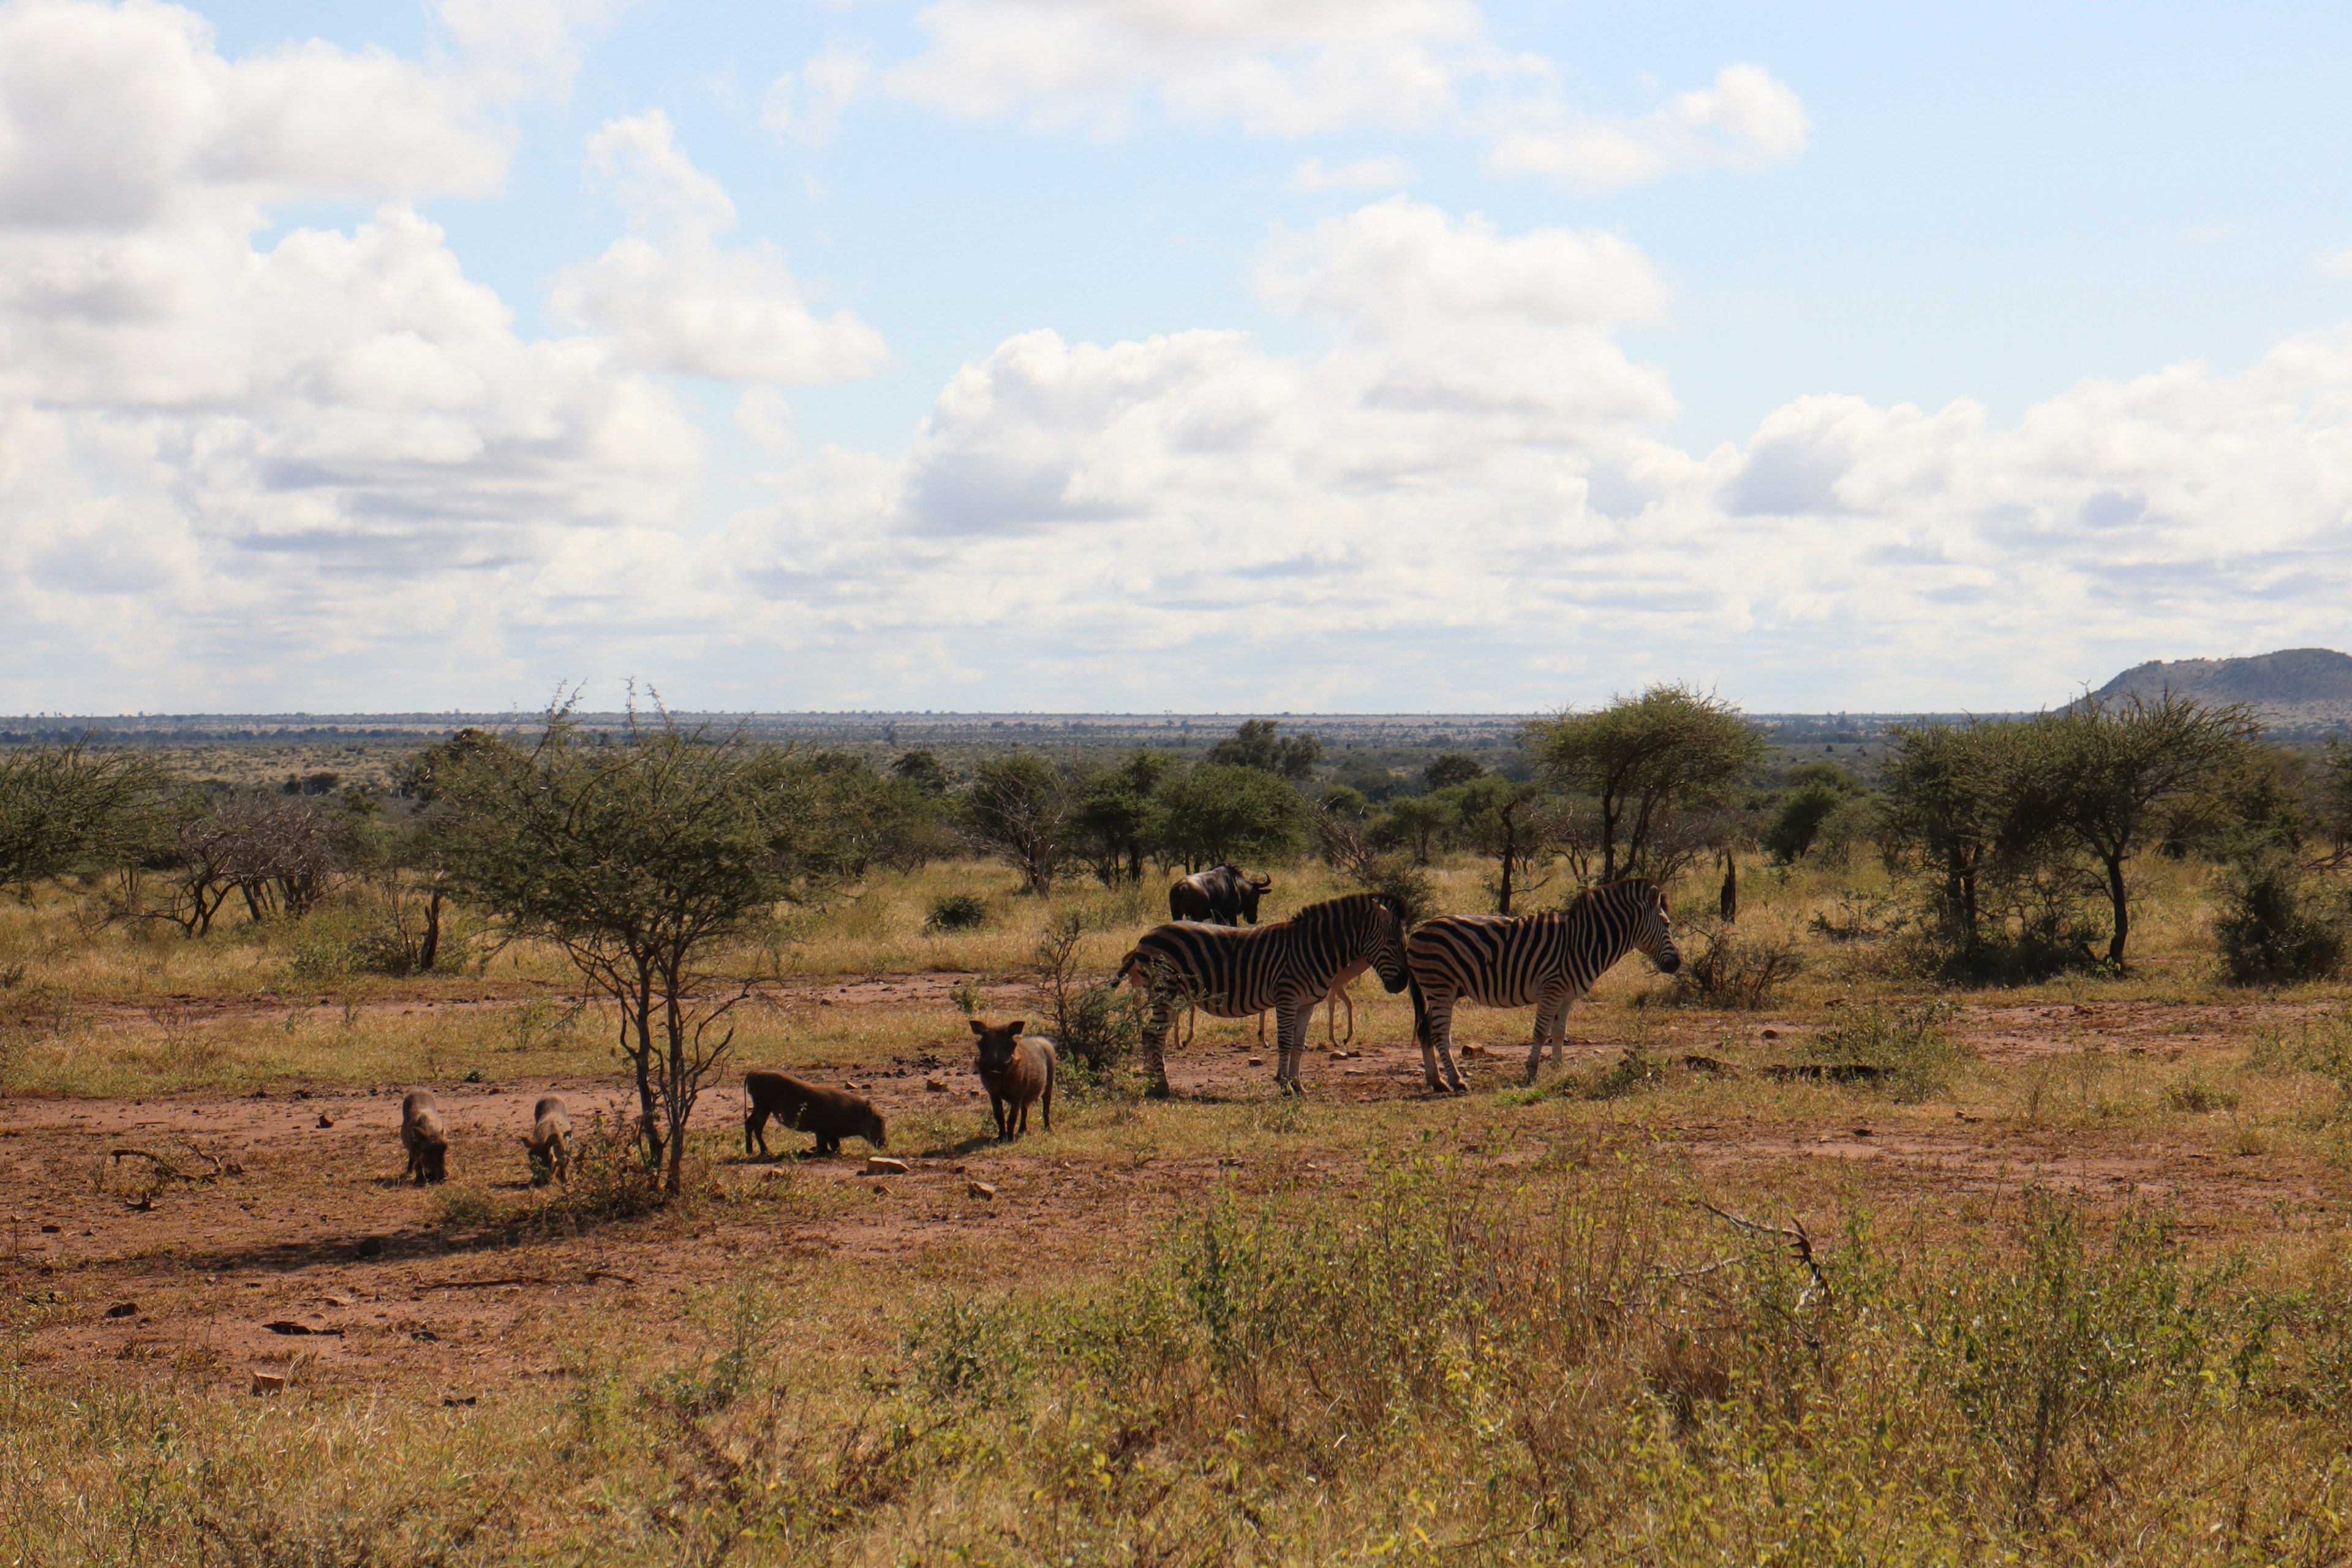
(1221, 896)
(549, 1147)
(1015, 1071)
(832, 1114)
(422, 1134)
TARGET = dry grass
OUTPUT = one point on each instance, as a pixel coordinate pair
(1230, 1329)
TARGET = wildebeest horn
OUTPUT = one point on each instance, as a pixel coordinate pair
(1261, 882)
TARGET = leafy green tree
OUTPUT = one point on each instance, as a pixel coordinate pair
(642, 860)
(1254, 745)
(922, 768)
(65, 807)
(1120, 818)
(1022, 809)
(1220, 813)
(1950, 807)
(1416, 822)
(876, 819)
(2110, 770)
(1800, 821)
(1452, 768)
(1640, 757)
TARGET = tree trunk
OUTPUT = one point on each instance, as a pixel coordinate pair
(642, 1002)
(429, 951)
(1730, 900)
(2122, 908)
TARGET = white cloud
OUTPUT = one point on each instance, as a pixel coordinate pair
(808, 103)
(1361, 174)
(1288, 69)
(672, 298)
(108, 116)
(2338, 262)
(1746, 117)
(1193, 522)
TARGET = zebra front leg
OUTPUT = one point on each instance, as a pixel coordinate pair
(1155, 1042)
(1290, 1035)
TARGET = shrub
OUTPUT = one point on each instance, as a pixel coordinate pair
(2198, 1093)
(957, 911)
(1915, 1056)
(1096, 1028)
(1730, 968)
(1800, 822)
(2275, 924)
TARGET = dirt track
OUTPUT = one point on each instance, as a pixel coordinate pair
(316, 1228)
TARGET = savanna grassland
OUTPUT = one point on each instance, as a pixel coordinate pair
(1875, 1272)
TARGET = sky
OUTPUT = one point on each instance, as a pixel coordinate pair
(1196, 356)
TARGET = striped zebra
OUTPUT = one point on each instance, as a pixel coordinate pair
(1289, 966)
(1548, 959)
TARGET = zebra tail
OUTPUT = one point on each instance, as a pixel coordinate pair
(1420, 1011)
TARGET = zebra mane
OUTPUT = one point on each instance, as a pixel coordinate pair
(1586, 897)
(1343, 909)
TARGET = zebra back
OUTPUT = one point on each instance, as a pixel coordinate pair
(1512, 960)
(1231, 972)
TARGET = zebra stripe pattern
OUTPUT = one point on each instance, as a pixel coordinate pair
(1231, 972)
(1548, 960)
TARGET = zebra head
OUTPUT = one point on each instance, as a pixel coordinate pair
(1387, 946)
(1652, 928)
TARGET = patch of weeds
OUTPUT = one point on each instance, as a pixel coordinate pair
(966, 997)
(724, 1378)
(541, 1023)
(1097, 1027)
(961, 1350)
(459, 1206)
(1634, 1072)
(1861, 917)
(1914, 1056)
(957, 911)
(2195, 1093)
(1736, 969)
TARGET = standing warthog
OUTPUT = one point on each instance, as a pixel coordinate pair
(1221, 896)
(549, 1147)
(1015, 1071)
(421, 1133)
(832, 1114)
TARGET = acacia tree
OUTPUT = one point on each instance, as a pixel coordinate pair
(1226, 813)
(64, 807)
(641, 859)
(1021, 809)
(1255, 745)
(1518, 825)
(1640, 757)
(1120, 816)
(2111, 772)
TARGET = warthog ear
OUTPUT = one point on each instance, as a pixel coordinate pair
(978, 1027)
(1015, 1027)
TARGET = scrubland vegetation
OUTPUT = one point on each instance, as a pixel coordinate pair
(1974, 1193)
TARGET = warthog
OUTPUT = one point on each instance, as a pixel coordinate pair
(832, 1114)
(549, 1147)
(1015, 1071)
(421, 1133)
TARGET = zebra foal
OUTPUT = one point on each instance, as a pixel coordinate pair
(1549, 960)
(1289, 966)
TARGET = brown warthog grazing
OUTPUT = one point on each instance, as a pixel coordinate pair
(832, 1114)
(1015, 1071)
(549, 1147)
(422, 1135)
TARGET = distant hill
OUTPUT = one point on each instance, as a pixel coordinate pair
(2296, 689)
